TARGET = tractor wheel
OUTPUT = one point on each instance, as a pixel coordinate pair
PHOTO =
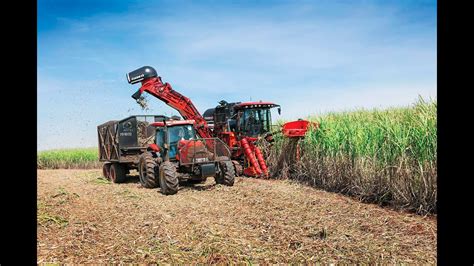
(239, 170)
(168, 178)
(117, 173)
(146, 171)
(106, 170)
(226, 175)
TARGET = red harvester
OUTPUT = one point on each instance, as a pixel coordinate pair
(238, 125)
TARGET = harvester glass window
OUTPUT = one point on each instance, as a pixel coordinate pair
(255, 121)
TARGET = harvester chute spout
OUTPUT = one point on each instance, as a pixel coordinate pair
(137, 95)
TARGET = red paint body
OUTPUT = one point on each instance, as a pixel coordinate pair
(182, 104)
(261, 161)
(249, 153)
(229, 138)
(185, 147)
(296, 128)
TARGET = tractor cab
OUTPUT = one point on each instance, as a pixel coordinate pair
(171, 133)
(177, 141)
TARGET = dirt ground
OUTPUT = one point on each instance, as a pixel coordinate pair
(85, 219)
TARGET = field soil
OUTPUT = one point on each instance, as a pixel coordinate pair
(85, 219)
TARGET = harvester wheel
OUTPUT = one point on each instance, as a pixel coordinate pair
(117, 173)
(146, 171)
(168, 178)
(239, 170)
(226, 176)
(106, 170)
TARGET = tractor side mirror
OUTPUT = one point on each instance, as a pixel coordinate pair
(279, 110)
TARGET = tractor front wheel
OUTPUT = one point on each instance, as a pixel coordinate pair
(226, 175)
(168, 178)
(146, 171)
(117, 173)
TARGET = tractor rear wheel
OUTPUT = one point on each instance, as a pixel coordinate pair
(106, 170)
(239, 170)
(168, 178)
(146, 171)
(117, 173)
(226, 175)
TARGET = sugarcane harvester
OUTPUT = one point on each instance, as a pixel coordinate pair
(238, 125)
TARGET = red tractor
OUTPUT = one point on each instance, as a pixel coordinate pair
(239, 125)
(165, 152)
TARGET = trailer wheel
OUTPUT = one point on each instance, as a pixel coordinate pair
(239, 170)
(117, 173)
(146, 171)
(106, 170)
(168, 178)
(226, 175)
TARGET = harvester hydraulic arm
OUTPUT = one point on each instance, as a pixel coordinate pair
(174, 99)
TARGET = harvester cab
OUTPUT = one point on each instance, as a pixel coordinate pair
(254, 118)
(240, 125)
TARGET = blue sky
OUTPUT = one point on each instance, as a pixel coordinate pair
(309, 56)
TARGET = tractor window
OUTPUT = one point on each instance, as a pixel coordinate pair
(160, 138)
(255, 122)
(177, 133)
